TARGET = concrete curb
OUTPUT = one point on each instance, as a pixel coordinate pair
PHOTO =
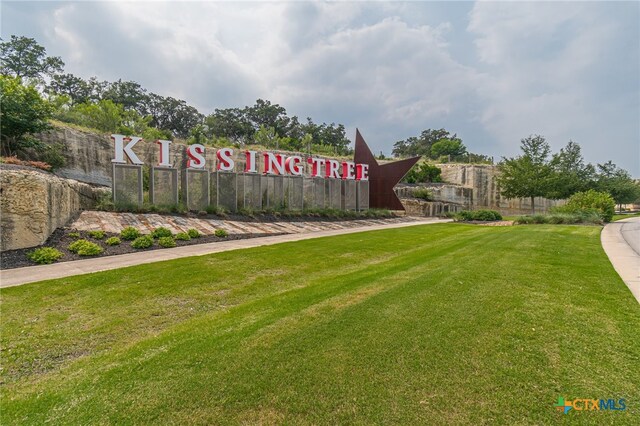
(19, 276)
(618, 240)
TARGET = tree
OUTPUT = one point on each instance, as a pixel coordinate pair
(423, 173)
(527, 175)
(415, 146)
(77, 89)
(618, 183)
(129, 94)
(453, 148)
(570, 174)
(22, 111)
(23, 57)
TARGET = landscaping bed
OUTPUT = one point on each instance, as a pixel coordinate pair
(60, 240)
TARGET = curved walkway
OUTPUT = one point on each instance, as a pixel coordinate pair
(19, 276)
(621, 242)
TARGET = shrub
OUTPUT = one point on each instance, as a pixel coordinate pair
(129, 233)
(142, 242)
(166, 242)
(589, 201)
(221, 233)
(73, 234)
(85, 248)
(161, 233)
(480, 215)
(194, 233)
(423, 194)
(44, 255)
(98, 235)
(183, 236)
(113, 241)
(561, 218)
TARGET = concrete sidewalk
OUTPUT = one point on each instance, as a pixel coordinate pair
(19, 276)
(621, 242)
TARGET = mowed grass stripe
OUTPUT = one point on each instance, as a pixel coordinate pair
(438, 324)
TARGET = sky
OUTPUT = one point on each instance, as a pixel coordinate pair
(492, 72)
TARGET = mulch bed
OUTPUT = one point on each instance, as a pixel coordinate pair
(59, 239)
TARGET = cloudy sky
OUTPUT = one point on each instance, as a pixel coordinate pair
(493, 72)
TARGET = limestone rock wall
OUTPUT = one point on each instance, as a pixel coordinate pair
(88, 155)
(485, 192)
(34, 203)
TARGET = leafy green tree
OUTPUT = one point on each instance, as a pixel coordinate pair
(23, 57)
(570, 173)
(129, 94)
(529, 174)
(618, 183)
(452, 148)
(230, 123)
(77, 89)
(423, 173)
(421, 145)
(22, 112)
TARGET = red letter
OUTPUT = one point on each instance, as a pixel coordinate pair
(250, 166)
(225, 162)
(315, 165)
(362, 171)
(272, 161)
(164, 153)
(331, 169)
(293, 166)
(196, 159)
(348, 170)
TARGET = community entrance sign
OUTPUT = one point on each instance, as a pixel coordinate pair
(231, 179)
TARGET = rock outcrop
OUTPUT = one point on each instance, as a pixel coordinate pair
(34, 203)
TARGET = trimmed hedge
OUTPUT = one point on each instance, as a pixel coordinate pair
(479, 215)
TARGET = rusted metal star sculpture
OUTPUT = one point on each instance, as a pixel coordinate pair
(382, 177)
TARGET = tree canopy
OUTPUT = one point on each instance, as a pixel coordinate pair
(24, 58)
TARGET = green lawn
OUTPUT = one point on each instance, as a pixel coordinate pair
(437, 324)
(624, 216)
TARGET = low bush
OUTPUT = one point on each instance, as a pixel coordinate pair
(85, 248)
(113, 241)
(182, 236)
(44, 255)
(580, 217)
(479, 215)
(129, 233)
(194, 233)
(221, 233)
(73, 235)
(142, 242)
(161, 233)
(589, 202)
(166, 242)
(98, 235)
(423, 194)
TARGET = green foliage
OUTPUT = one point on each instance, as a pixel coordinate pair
(569, 173)
(183, 236)
(194, 233)
(44, 255)
(129, 233)
(221, 233)
(85, 248)
(112, 241)
(421, 145)
(22, 112)
(166, 242)
(98, 235)
(73, 235)
(618, 183)
(558, 218)
(423, 194)
(423, 173)
(142, 242)
(161, 232)
(479, 215)
(450, 147)
(590, 201)
(529, 174)
(23, 57)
